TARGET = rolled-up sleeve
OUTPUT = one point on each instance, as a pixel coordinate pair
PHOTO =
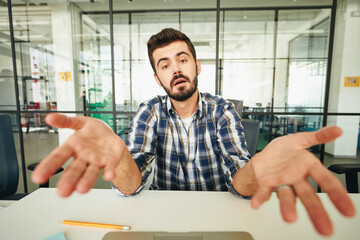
(231, 140)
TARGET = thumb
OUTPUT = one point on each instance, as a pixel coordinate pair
(62, 121)
(324, 135)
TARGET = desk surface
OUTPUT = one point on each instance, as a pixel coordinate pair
(38, 215)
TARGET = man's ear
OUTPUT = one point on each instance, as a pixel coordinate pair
(198, 66)
(157, 80)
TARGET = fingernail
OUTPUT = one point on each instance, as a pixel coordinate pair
(325, 229)
(255, 204)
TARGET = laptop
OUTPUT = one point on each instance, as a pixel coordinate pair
(177, 236)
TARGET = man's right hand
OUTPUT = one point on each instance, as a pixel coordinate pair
(93, 146)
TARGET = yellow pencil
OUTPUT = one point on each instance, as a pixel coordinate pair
(100, 225)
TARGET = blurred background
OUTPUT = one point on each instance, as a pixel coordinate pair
(293, 65)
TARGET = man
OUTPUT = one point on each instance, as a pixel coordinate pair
(198, 142)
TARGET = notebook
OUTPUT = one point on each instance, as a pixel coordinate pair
(119, 235)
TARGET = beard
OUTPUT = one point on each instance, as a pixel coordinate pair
(183, 93)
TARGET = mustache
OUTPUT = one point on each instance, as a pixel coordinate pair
(179, 76)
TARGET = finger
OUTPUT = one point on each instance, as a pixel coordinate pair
(262, 195)
(101, 160)
(51, 163)
(109, 169)
(69, 179)
(314, 207)
(89, 178)
(333, 187)
(287, 204)
(324, 135)
(63, 121)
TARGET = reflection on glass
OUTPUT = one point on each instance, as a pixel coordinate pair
(248, 80)
(93, 43)
(246, 56)
(248, 34)
(162, 4)
(301, 65)
(7, 86)
(61, 53)
(34, 56)
(200, 27)
(274, 3)
(143, 26)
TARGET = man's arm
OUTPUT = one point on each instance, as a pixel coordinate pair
(128, 177)
(245, 181)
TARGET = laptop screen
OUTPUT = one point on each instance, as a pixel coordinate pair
(177, 236)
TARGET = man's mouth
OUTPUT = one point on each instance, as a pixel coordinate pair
(179, 82)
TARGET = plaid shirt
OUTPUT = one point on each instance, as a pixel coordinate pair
(204, 157)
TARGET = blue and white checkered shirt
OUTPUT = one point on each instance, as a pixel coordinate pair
(204, 157)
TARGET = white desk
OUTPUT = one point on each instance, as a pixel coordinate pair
(37, 216)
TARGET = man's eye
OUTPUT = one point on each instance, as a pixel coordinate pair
(164, 67)
(183, 60)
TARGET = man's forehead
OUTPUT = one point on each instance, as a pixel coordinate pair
(171, 50)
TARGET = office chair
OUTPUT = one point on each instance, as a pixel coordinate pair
(351, 174)
(238, 105)
(32, 167)
(9, 168)
(251, 131)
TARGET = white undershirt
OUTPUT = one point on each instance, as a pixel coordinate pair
(187, 121)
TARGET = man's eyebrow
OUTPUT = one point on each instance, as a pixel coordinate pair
(180, 53)
(161, 59)
(165, 58)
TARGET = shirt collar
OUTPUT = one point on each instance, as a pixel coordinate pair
(170, 109)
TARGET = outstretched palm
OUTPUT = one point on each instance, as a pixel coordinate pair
(93, 146)
(286, 161)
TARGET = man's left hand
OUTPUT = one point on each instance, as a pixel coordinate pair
(285, 165)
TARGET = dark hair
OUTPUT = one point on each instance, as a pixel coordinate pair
(165, 37)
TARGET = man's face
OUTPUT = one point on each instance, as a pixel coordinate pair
(176, 70)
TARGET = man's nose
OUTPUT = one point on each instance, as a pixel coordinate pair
(176, 69)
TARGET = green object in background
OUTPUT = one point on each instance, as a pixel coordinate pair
(262, 142)
(97, 102)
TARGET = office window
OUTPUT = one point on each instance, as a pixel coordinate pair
(302, 48)
(247, 56)
(200, 27)
(92, 65)
(273, 3)
(143, 26)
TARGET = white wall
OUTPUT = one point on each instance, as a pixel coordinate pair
(346, 62)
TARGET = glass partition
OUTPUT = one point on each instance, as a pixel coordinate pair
(247, 57)
(132, 68)
(302, 48)
(273, 3)
(7, 86)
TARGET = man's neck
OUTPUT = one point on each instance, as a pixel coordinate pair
(188, 107)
